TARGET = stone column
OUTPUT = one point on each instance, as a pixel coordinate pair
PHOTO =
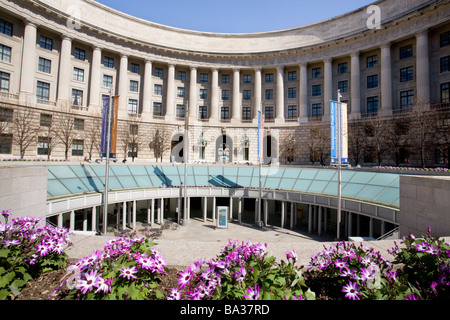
(350, 223)
(170, 95)
(386, 80)
(193, 92)
(236, 102)
(124, 215)
(205, 208)
(310, 218)
(214, 112)
(319, 225)
(280, 95)
(95, 81)
(283, 213)
(28, 59)
(355, 86)
(328, 87)
(94, 219)
(147, 88)
(123, 84)
(422, 68)
(258, 98)
(303, 93)
(65, 72)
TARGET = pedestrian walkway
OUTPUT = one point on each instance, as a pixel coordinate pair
(183, 244)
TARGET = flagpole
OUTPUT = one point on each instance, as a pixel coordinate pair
(260, 153)
(108, 147)
(185, 151)
(339, 155)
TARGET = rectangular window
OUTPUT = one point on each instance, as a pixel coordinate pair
(292, 75)
(132, 106)
(134, 86)
(181, 75)
(292, 93)
(157, 89)
(445, 92)
(225, 78)
(247, 78)
(444, 64)
(45, 120)
(269, 94)
(317, 90)
(247, 95)
(77, 97)
(43, 145)
(180, 92)
(6, 115)
(268, 113)
(203, 77)
(406, 52)
(225, 113)
(5, 53)
(134, 129)
(225, 94)
(372, 105)
(4, 82)
(292, 112)
(406, 74)
(45, 43)
(180, 111)
(158, 73)
(343, 86)
(77, 148)
(6, 28)
(5, 143)
(79, 54)
(43, 90)
(44, 65)
(406, 99)
(203, 112)
(132, 150)
(246, 113)
(342, 68)
(78, 124)
(203, 94)
(372, 61)
(78, 74)
(108, 62)
(134, 68)
(445, 39)
(269, 77)
(372, 81)
(316, 110)
(316, 72)
(107, 80)
(157, 108)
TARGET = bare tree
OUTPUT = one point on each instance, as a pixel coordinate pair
(25, 129)
(92, 133)
(131, 140)
(376, 129)
(356, 142)
(397, 138)
(423, 133)
(319, 144)
(158, 144)
(443, 133)
(289, 147)
(49, 133)
(64, 130)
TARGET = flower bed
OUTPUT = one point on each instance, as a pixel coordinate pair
(131, 268)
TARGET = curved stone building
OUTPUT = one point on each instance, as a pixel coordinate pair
(59, 59)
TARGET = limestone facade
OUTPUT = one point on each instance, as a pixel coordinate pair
(63, 57)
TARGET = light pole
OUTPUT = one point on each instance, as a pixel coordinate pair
(185, 153)
(108, 149)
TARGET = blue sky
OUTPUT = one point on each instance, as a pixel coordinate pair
(235, 16)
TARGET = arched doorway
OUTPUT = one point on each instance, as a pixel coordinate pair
(224, 149)
(270, 149)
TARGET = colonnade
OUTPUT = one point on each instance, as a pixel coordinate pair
(27, 80)
(320, 220)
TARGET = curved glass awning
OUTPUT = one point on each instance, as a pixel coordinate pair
(67, 180)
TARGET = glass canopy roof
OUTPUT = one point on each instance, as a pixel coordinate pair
(66, 180)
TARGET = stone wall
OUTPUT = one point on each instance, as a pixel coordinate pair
(23, 189)
(424, 202)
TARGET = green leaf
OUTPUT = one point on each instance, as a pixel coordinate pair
(4, 253)
(6, 279)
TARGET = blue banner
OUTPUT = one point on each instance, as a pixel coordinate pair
(342, 123)
(105, 119)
